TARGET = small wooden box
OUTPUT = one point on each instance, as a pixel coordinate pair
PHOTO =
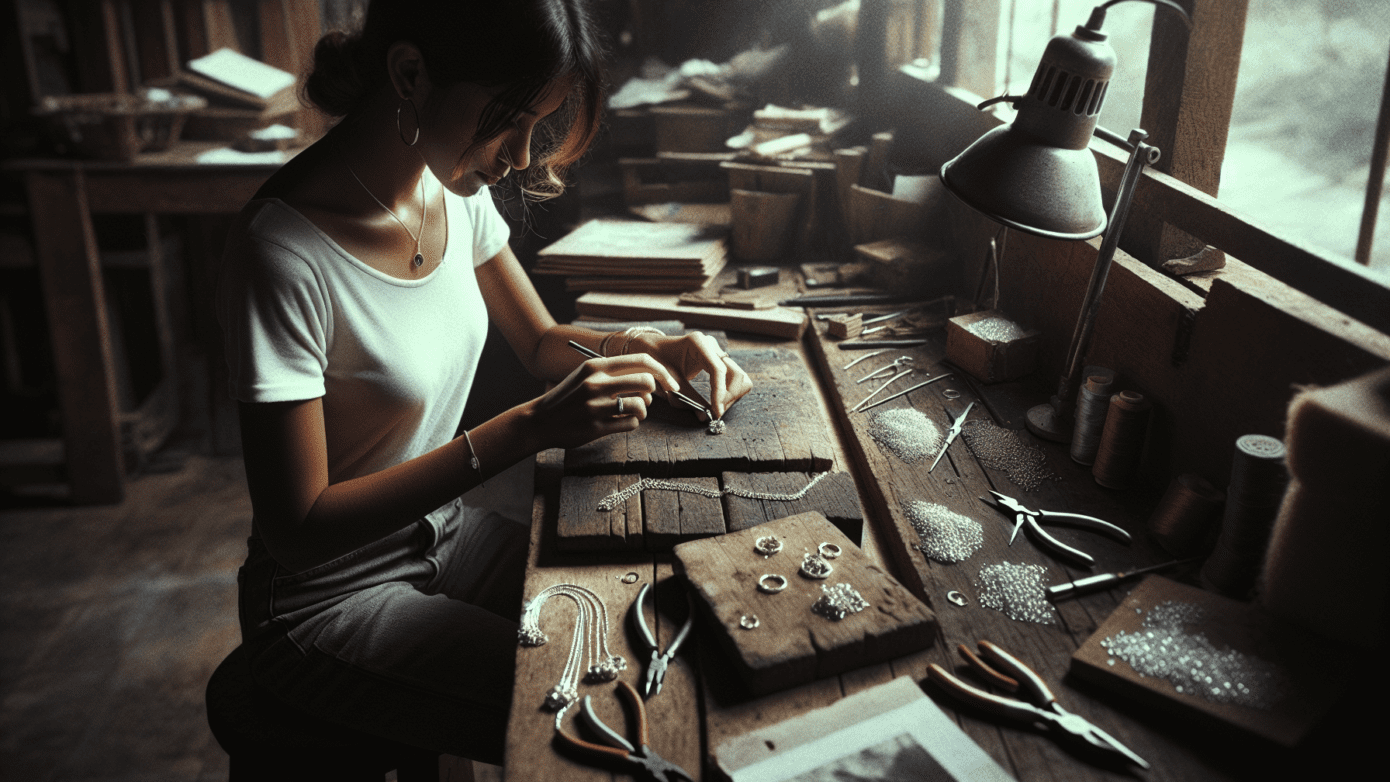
(792, 645)
(990, 347)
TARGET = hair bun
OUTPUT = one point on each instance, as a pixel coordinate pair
(340, 79)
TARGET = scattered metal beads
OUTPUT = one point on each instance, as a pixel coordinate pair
(715, 427)
(946, 536)
(606, 670)
(1017, 591)
(996, 329)
(1003, 449)
(1163, 649)
(908, 433)
(838, 601)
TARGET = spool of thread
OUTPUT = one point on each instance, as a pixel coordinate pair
(1122, 440)
(1091, 406)
(1258, 481)
(1185, 517)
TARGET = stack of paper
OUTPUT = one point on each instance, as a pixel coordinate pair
(232, 79)
(628, 255)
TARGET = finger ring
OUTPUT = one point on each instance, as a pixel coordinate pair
(620, 405)
(767, 545)
(957, 598)
(812, 566)
(829, 550)
(772, 583)
(748, 621)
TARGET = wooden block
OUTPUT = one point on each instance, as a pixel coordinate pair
(777, 427)
(672, 517)
(581, 526)
(820, 275)
(990, 347)
(690, 128)
(901, 264)
(792, 645)
(846, 326)
(875, 215)
(1315, 671)
(783, 322)
(834, 497)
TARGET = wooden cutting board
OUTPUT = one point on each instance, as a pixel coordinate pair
(1314, 671)
(792, 645)
(777, 427)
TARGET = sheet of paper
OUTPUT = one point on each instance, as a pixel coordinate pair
(247, 74)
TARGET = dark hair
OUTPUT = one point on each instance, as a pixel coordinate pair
(519, 46)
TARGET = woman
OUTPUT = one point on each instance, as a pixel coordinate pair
(355, 295)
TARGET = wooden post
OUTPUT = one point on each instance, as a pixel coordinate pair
(1188, 94)
(70, 272)
(1375, 183)
(970, 45)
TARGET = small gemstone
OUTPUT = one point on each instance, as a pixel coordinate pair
(419, 260)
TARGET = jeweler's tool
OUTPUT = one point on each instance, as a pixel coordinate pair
(1006, 672)
(616, 748)
(864, 357)
(902, 393)
(656, 668)
(869, 344)
(890, 381)
(1028, 519)
(709, 414)
(1106, 580)
(951, 436)
(892, 365)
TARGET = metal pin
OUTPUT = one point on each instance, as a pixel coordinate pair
(896, 363)
(889, 316)
(901, 393)
(876, 391)
(866, 355)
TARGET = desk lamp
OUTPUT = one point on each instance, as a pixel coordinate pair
(1038, 175)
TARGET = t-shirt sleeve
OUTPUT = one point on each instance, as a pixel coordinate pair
(490, 230)
(275, 322)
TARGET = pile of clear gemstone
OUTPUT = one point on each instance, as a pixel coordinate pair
(1016, 590)
(996, 329)
(946, 536)
(1163, 649)
(839, 601)
(907, 432)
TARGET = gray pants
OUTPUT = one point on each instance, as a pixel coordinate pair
(412, 637)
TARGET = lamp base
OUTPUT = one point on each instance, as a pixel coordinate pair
(1044, 422)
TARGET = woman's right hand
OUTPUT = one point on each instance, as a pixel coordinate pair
(585, 405)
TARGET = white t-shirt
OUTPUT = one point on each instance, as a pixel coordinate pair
(393, 359)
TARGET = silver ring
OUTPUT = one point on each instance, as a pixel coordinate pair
(812, 566)
(763, 586)
(829, 550)
(748, 621)
(957, 598)
(767, 545)
(620, 405)
(951, 393)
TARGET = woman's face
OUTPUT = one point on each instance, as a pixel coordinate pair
(449, 126)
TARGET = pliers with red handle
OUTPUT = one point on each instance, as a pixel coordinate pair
(1006, 672)
(616, 748)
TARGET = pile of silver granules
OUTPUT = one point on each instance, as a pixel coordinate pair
(1163, 649)
(908, 433)
(1017, 591)
(1003, 449)
(946, 536)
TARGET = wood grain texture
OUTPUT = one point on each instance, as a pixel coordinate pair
(776, 427)
(674, 517)
(792, 645)
(782, 322)
(834, 497)
(581, 526)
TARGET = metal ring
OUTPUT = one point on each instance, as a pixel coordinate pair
(748, 621)
(829, 550)
(629, 578)
(772, 590)
(620, 405)
(812, 566)
(951, 393)
(767, 545)
(957, 598)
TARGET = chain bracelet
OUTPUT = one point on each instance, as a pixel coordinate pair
(623, 495)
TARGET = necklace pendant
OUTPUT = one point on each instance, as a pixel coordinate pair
(419, 260)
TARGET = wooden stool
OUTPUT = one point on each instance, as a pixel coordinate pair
(269, 740)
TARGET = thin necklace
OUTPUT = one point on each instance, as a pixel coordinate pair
(424, 210)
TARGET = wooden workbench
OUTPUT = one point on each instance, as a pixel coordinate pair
(701, 704)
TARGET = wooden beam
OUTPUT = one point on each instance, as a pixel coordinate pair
(1188, 93)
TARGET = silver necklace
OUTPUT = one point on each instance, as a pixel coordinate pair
(424, 211)
(621, 496)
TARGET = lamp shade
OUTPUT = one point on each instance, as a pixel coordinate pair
(1037, 174)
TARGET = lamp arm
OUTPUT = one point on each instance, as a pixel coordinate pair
(1140, 155)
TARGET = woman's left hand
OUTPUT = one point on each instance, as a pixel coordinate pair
(693, 353)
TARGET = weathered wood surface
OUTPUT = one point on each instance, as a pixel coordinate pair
(777, 427)
(834, 497)
(792, 645)
(1308, 666)
(891, 485)
(783, 322)
(654, 519)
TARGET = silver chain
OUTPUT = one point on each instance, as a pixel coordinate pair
(623, 495)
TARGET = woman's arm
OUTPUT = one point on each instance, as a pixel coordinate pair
(543, 345)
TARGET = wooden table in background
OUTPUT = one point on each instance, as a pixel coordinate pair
(63, 196)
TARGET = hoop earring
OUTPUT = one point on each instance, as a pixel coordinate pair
(414, 111)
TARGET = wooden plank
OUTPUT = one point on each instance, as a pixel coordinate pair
(671, 517)
(70, 271)
(782, 322)
(778, 179)
(776, 427)
(792, 645)
(581, 526)
(1189, 89)
(834, 497)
